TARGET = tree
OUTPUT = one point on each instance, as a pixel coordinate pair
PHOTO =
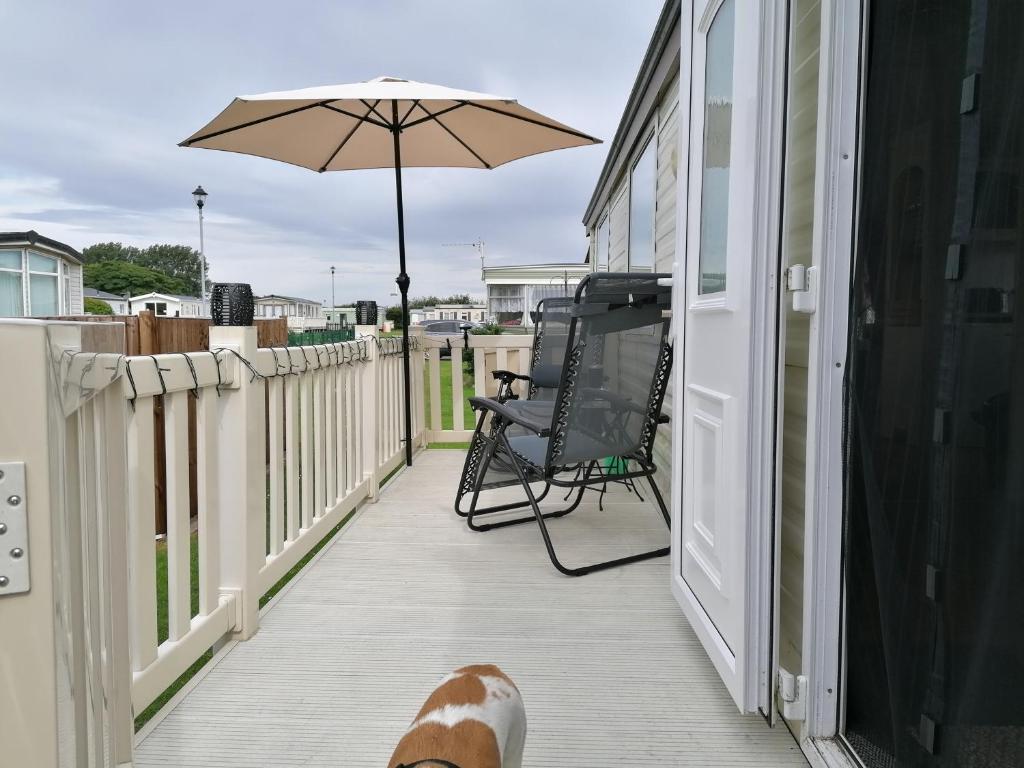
(109, 252)
(122, 277)
(394, 314)
(97, 307)
(176, 261)
(433, 301)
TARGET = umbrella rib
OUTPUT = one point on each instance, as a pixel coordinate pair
(249, 124)
(436, 115)
(451, 133)
(415, 103)
(353, 115)
(344, 141)
(526, 119)
(373, 108)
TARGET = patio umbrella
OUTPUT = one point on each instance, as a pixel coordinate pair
(385, 123)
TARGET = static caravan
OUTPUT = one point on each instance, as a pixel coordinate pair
(167, 305)
(836, 188)
(514, 290)
(39, 276)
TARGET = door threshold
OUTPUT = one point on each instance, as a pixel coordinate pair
(834, 752)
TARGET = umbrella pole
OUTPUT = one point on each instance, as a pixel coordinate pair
(403, 281)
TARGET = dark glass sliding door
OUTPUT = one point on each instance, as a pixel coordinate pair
(935, 428)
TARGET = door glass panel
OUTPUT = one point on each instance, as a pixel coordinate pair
(642, 189)
(714, 207)
(935, 541)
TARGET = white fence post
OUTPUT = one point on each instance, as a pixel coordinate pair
(241, 462)
(369, 392)
(65, 670)
(28, 688)
(419, 417)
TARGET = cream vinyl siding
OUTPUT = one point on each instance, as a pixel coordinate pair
(75, 273)
(665, 213)
(798, 230)
(619, 234)
(664, 252)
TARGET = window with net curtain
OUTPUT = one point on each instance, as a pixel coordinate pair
(11, 289)
(505, 303)
(642, 199)
(44, 295)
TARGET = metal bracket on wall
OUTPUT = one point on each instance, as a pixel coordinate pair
(14, 573)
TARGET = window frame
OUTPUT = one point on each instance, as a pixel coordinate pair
(650, 141)
(28, 272)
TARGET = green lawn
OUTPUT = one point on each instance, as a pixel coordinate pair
(447, 420)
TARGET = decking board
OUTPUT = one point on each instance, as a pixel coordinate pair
(610, 671)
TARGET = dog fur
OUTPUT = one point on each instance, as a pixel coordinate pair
(474, 719)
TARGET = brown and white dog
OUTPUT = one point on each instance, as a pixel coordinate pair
(474, 719)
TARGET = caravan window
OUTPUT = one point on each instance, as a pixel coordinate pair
(642, 193)
(11, 296)
(42, 285)
(603, 245)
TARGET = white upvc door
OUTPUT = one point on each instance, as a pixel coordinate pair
(724, 530)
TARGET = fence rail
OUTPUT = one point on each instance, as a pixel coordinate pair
(469, 371)
(287, 441)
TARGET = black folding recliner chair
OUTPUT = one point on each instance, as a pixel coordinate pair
(551, 334)
(608, 406)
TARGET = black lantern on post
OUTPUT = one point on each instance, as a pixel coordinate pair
(231, 304)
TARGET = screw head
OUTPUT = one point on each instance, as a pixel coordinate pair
(14, 499)
(4, 581)
(3, 528)
(17, 552)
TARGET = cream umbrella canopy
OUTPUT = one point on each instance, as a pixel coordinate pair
(385, 123)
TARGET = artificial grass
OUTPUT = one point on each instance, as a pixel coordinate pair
(447, 419)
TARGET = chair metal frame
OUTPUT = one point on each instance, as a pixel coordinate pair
(506, 381)
(577, 475)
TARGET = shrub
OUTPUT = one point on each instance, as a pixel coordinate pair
(491, 329)
(97, 307)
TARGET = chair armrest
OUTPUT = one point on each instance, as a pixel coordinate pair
(508, 377)
(510, 415)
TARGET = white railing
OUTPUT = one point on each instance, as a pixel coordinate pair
(488, 353)
(287, 442)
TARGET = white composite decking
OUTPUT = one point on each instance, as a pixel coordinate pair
(610, 671)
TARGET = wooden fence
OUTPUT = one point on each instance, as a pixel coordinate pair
(149, 334)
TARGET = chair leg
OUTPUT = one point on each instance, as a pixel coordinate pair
(520, 504)
(547, 536)
(661, 501)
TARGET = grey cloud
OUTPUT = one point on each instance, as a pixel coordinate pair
(105, 90)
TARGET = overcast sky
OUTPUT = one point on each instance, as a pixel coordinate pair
(97, 95)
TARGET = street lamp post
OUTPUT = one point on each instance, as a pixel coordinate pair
(333, 304)
(199, 195)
